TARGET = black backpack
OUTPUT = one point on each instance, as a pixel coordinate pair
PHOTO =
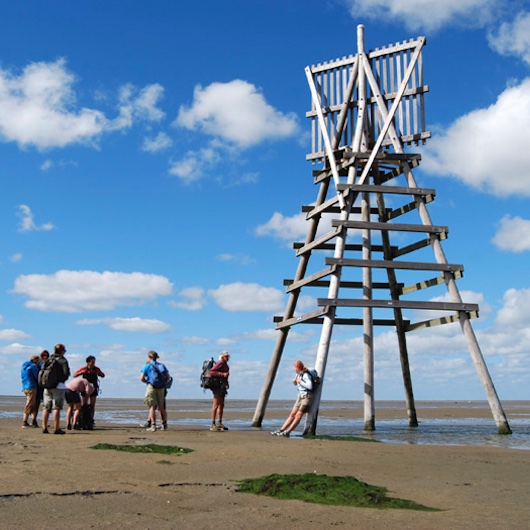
(207, 381)
(50, 374)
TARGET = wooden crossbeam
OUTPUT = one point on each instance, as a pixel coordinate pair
(312, 278)
(431, 229)
(449, 319)
(438, 280)
(397, 304)
(347, 321)
(406, 208)
(314, 244)
(348, 247)
(372, 188)
(301, 318)
(391, 264)
(346, 285)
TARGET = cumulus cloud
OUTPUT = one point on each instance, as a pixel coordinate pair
(488, 148)
(27, 221)
(39, 108)
(10, 335)
(425, 14)
(236, 112)
(194, 164)
(193, 299)
(513, 38)
(513, 234)
(74, 291)
(143, 325)
(159, 143)
(241, 296)
(516, 309)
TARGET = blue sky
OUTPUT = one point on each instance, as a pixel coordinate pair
(152, 161)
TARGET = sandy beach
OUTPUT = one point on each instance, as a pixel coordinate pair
(50, 481)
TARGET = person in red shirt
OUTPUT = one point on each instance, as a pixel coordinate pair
(220, 370)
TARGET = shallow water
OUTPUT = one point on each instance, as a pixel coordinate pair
(474, 425)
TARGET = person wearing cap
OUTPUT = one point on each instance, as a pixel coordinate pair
(29, 375)
(155, 395)
(220, 370)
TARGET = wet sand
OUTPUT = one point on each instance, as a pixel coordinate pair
(50, 481)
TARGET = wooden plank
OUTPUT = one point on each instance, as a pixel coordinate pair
(390, 264)
(399, 190)
(397, 304)
(346, 321)
(348, 285)
(438, 280)
(312, 278)
(302, 318)
(411, 248)
(407, 208)
(449, 319)
(431, 229)
(314, 244)
(349, 246)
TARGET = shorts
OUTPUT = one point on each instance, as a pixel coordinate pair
(32, 405)
(72, 397)
(154, 397)
(303, 403)
(222, 391)
(53, 399)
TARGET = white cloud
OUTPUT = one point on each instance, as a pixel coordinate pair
(192, 340)
(513, 38)
(241, 296)
(236, 112)
(193, 299)
(488, 148)
(516, 310)
(241, 259)
(128, 324)
(425, 14)
(159, 143)
(10, 335)
(193, 165)
(286, 228)
(15, 258)
(27, 220)
(271, 334)
(513, 234)
(74, 291)
(38, 108)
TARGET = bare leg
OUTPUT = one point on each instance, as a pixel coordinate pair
(56, 419)
(45, 416)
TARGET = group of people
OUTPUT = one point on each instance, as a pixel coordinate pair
(83, 389)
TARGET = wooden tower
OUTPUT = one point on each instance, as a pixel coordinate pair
(366, 108)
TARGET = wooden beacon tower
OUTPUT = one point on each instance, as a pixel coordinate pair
(365, 109)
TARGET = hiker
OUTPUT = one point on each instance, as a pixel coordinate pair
(304, 384)
(54, 397)
(220, 370)
(91, 373)
(147, 424)
(156, 376)
(29, 375)
(78, 392)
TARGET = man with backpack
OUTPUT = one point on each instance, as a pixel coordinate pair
(304, 383)
(52, 376)
(156, 376)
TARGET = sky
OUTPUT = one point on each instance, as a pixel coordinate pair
(153, 171)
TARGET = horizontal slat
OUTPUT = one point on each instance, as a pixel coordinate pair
(314, 244)
(312, 278)
(390, 264)
(449, 319)
(432, 229)
(386, 189)
(302, 318)
(348, 321)
(397, 304)
(346, 285)
(349, 247)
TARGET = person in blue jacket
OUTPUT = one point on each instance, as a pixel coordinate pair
(29, 375)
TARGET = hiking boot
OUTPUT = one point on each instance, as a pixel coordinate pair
(145, 425)
(69, 426)
(152, 428)
(45, 430)
(58, 431)
(284, 434)
(221, 427)
(214, 427)
(77, 427)
(164, 426)
(275, 433)
(25, 425)
(35, 425)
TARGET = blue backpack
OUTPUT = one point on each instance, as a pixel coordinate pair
(157, 375)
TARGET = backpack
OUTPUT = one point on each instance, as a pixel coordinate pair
(315, 378)
(86, 420)
(157, 375)
(50, 374)
(207, 381)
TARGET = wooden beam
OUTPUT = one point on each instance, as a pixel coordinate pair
(312, 278)
(449, 319)
(314, 244)
(438, 280)
(349, 246)
(345, 285)
(401, 304)
(431, 229)
(346, 321)
(302, 318)
(391, 264)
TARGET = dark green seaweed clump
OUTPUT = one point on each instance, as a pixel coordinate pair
(148, 448)
(321, 489)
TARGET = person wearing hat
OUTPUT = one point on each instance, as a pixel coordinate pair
(221, 371)
(30, 386)
(156, 376)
